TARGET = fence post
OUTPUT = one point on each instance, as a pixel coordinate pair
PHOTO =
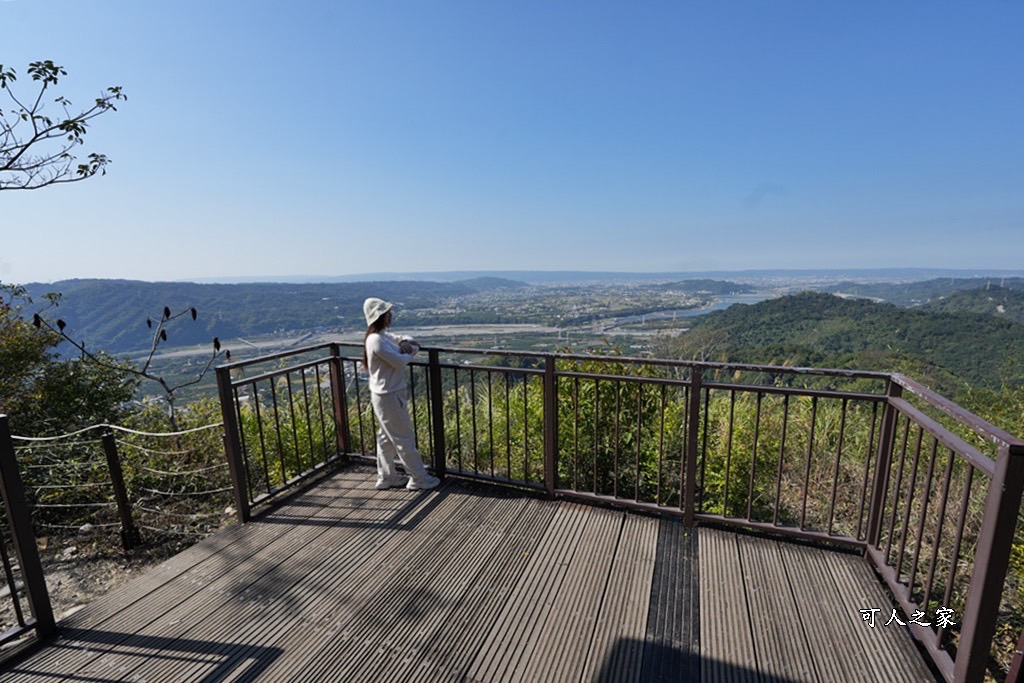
(690, 484)
(338, 393)
(1016, 672)
(991, 562)
(437, 412)
(550, 427)
(233, 444)
(23, 537)
(129, 534)
(883, 460)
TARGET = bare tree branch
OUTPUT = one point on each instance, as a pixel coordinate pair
(159, 336)
(44, 157)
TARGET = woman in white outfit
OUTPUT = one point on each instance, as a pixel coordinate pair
(386, 357)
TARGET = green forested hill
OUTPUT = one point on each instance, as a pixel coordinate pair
(824, 330)
(112, 313)
(999, 302)
(919, 293)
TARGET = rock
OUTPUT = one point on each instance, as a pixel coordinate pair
(85, 528)
(69, 551)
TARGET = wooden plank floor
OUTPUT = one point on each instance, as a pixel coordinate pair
(345, 583)
(778, 611)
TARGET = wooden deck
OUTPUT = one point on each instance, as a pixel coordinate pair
(341, 582)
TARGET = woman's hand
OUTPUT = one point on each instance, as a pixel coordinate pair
(408, 346)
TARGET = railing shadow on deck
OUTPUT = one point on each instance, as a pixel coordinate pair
(928, 492)
(237, 662)
(413, 509)
(660, 663)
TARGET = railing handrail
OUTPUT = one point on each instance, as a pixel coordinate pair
(241, 381)
(979, 425)
(234, 365)
(714, 365)
(666, 362)
(963, 449)
(639, 360)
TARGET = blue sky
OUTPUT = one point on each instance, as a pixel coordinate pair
(331, 138)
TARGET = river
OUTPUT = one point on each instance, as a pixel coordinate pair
(719, 303)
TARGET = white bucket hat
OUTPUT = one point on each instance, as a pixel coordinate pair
(374, 308)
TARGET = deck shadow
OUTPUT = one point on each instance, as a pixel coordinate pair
(412, 509)
(239, 662)
(685, 666)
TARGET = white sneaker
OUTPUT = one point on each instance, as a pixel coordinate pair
(428, 483)
(390, 482)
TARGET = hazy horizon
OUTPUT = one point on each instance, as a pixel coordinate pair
(579, 276)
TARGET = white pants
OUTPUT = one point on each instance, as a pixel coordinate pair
(396, 437)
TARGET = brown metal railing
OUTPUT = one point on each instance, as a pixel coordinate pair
(940, 534)
(282, 424)
(826, 455)
(28, 570)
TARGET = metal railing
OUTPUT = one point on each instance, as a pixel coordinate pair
(826, 455)
(282, 424)
(940, 534)
(26, 576)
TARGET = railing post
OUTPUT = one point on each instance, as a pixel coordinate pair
(338, 393)
(129, 534)
(437, 412)
(23, 537)
(550, 427)
(690, 465)
(233, 444)
(1016, 672)
(883, 460)
(991, 561)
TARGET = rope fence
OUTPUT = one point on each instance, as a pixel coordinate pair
(107, 478)
(117, 428)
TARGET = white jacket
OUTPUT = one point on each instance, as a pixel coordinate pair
(387, 362)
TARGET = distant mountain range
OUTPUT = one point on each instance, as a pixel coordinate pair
(955, 319)
(539, 277)
(111, 314)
